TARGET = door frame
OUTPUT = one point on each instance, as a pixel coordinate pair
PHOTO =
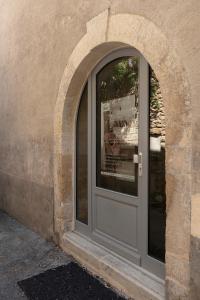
(141, 258)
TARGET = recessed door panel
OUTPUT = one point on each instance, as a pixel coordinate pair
(114, 218)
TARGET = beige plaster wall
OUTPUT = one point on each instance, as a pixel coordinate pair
(36, 40)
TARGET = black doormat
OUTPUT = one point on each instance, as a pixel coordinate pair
(68, 282)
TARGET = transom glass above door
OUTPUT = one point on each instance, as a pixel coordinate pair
(113, 153)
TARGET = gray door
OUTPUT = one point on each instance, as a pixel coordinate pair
(118, 102)
(118, 117)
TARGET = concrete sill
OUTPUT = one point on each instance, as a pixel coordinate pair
(124, 276)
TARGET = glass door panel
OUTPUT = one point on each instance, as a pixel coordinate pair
(157, 196)
(82, 159)
(117, 126)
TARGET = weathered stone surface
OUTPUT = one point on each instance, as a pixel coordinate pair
(36, 46)
(195, 223)
(176, 291)
(195, 268)
(35, 207)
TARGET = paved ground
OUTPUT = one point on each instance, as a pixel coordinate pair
(23, 254)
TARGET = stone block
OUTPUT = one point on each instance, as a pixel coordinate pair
(195, 268)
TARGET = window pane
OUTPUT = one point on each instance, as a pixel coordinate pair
(82, 159)
(157, 197)
(117, 126)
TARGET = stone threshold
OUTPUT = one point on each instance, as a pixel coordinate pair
(129, 279)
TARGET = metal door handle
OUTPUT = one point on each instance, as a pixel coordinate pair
(137, 159)
(140, 164)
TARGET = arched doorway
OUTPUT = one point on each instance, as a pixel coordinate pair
(106, 33)
(120, 160)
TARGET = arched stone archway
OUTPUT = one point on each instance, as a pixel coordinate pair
(106, 33)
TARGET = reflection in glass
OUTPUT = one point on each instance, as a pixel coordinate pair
(157, 197)
(82, 159)
(117, 125)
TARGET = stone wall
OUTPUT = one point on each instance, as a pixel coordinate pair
(157, 110)
(37, 39)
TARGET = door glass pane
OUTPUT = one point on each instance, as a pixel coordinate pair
(117, 126)
(82, 159)
(157, 197)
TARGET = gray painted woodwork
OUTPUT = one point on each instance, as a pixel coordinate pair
(115, 220)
